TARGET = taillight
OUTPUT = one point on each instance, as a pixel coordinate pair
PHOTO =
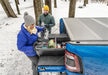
(71, 62)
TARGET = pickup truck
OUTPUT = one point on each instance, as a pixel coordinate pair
(86, 51)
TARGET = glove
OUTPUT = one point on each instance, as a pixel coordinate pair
(44, 29)
(47, 25)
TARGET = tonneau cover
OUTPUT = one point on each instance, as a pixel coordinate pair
(87, 28)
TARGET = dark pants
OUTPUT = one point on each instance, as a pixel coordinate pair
(34, 60)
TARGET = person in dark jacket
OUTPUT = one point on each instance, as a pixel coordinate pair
(46, 19)
(26, 37)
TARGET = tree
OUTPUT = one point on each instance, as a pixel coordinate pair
(16, 2)
(72, 8)
(48, 2)
(85, 2)
(55, 3)
(37, 9)
(7, 8)
(107, 3)
(41, 3)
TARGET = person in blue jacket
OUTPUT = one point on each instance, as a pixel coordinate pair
(26, 37)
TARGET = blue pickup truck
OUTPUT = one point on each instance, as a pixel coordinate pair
(86, 51)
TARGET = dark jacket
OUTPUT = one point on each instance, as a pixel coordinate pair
(25, 40)
(47, 19)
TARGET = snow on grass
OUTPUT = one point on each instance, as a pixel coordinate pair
(14, 62)
(92, 10)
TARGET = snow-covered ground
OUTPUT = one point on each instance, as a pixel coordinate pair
(14, 62)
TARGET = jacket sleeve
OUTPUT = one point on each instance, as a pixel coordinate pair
(21, 44)
(40, 29)
(39, 21)
(52, 22)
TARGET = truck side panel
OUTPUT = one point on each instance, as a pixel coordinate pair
(94, 58)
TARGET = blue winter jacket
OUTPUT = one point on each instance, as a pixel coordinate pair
(25, 40)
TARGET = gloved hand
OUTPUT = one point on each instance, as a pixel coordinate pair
(47, 25)
(44, 29)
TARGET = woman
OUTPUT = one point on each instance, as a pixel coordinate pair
(26, 37)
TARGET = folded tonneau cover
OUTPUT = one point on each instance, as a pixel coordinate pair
(87, 29)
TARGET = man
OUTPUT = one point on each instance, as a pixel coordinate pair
(46, 19)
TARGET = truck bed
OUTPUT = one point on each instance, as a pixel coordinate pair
(51, 59)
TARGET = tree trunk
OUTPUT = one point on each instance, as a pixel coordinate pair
(48, 2)
(85, 1)
(24, 0)
(42, 3)
(37, 9)
(72, 8)
(18, 2)
(65, 0)
(18, 11)
(107, 2)
(55, 3)
(7, 8)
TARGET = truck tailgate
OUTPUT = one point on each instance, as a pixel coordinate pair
(51, 64)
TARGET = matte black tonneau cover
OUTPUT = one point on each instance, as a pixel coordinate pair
(87, 29)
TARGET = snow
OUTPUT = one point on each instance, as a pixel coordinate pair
(14, 62)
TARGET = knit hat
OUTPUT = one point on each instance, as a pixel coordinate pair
(46, 8)
(29, 20)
